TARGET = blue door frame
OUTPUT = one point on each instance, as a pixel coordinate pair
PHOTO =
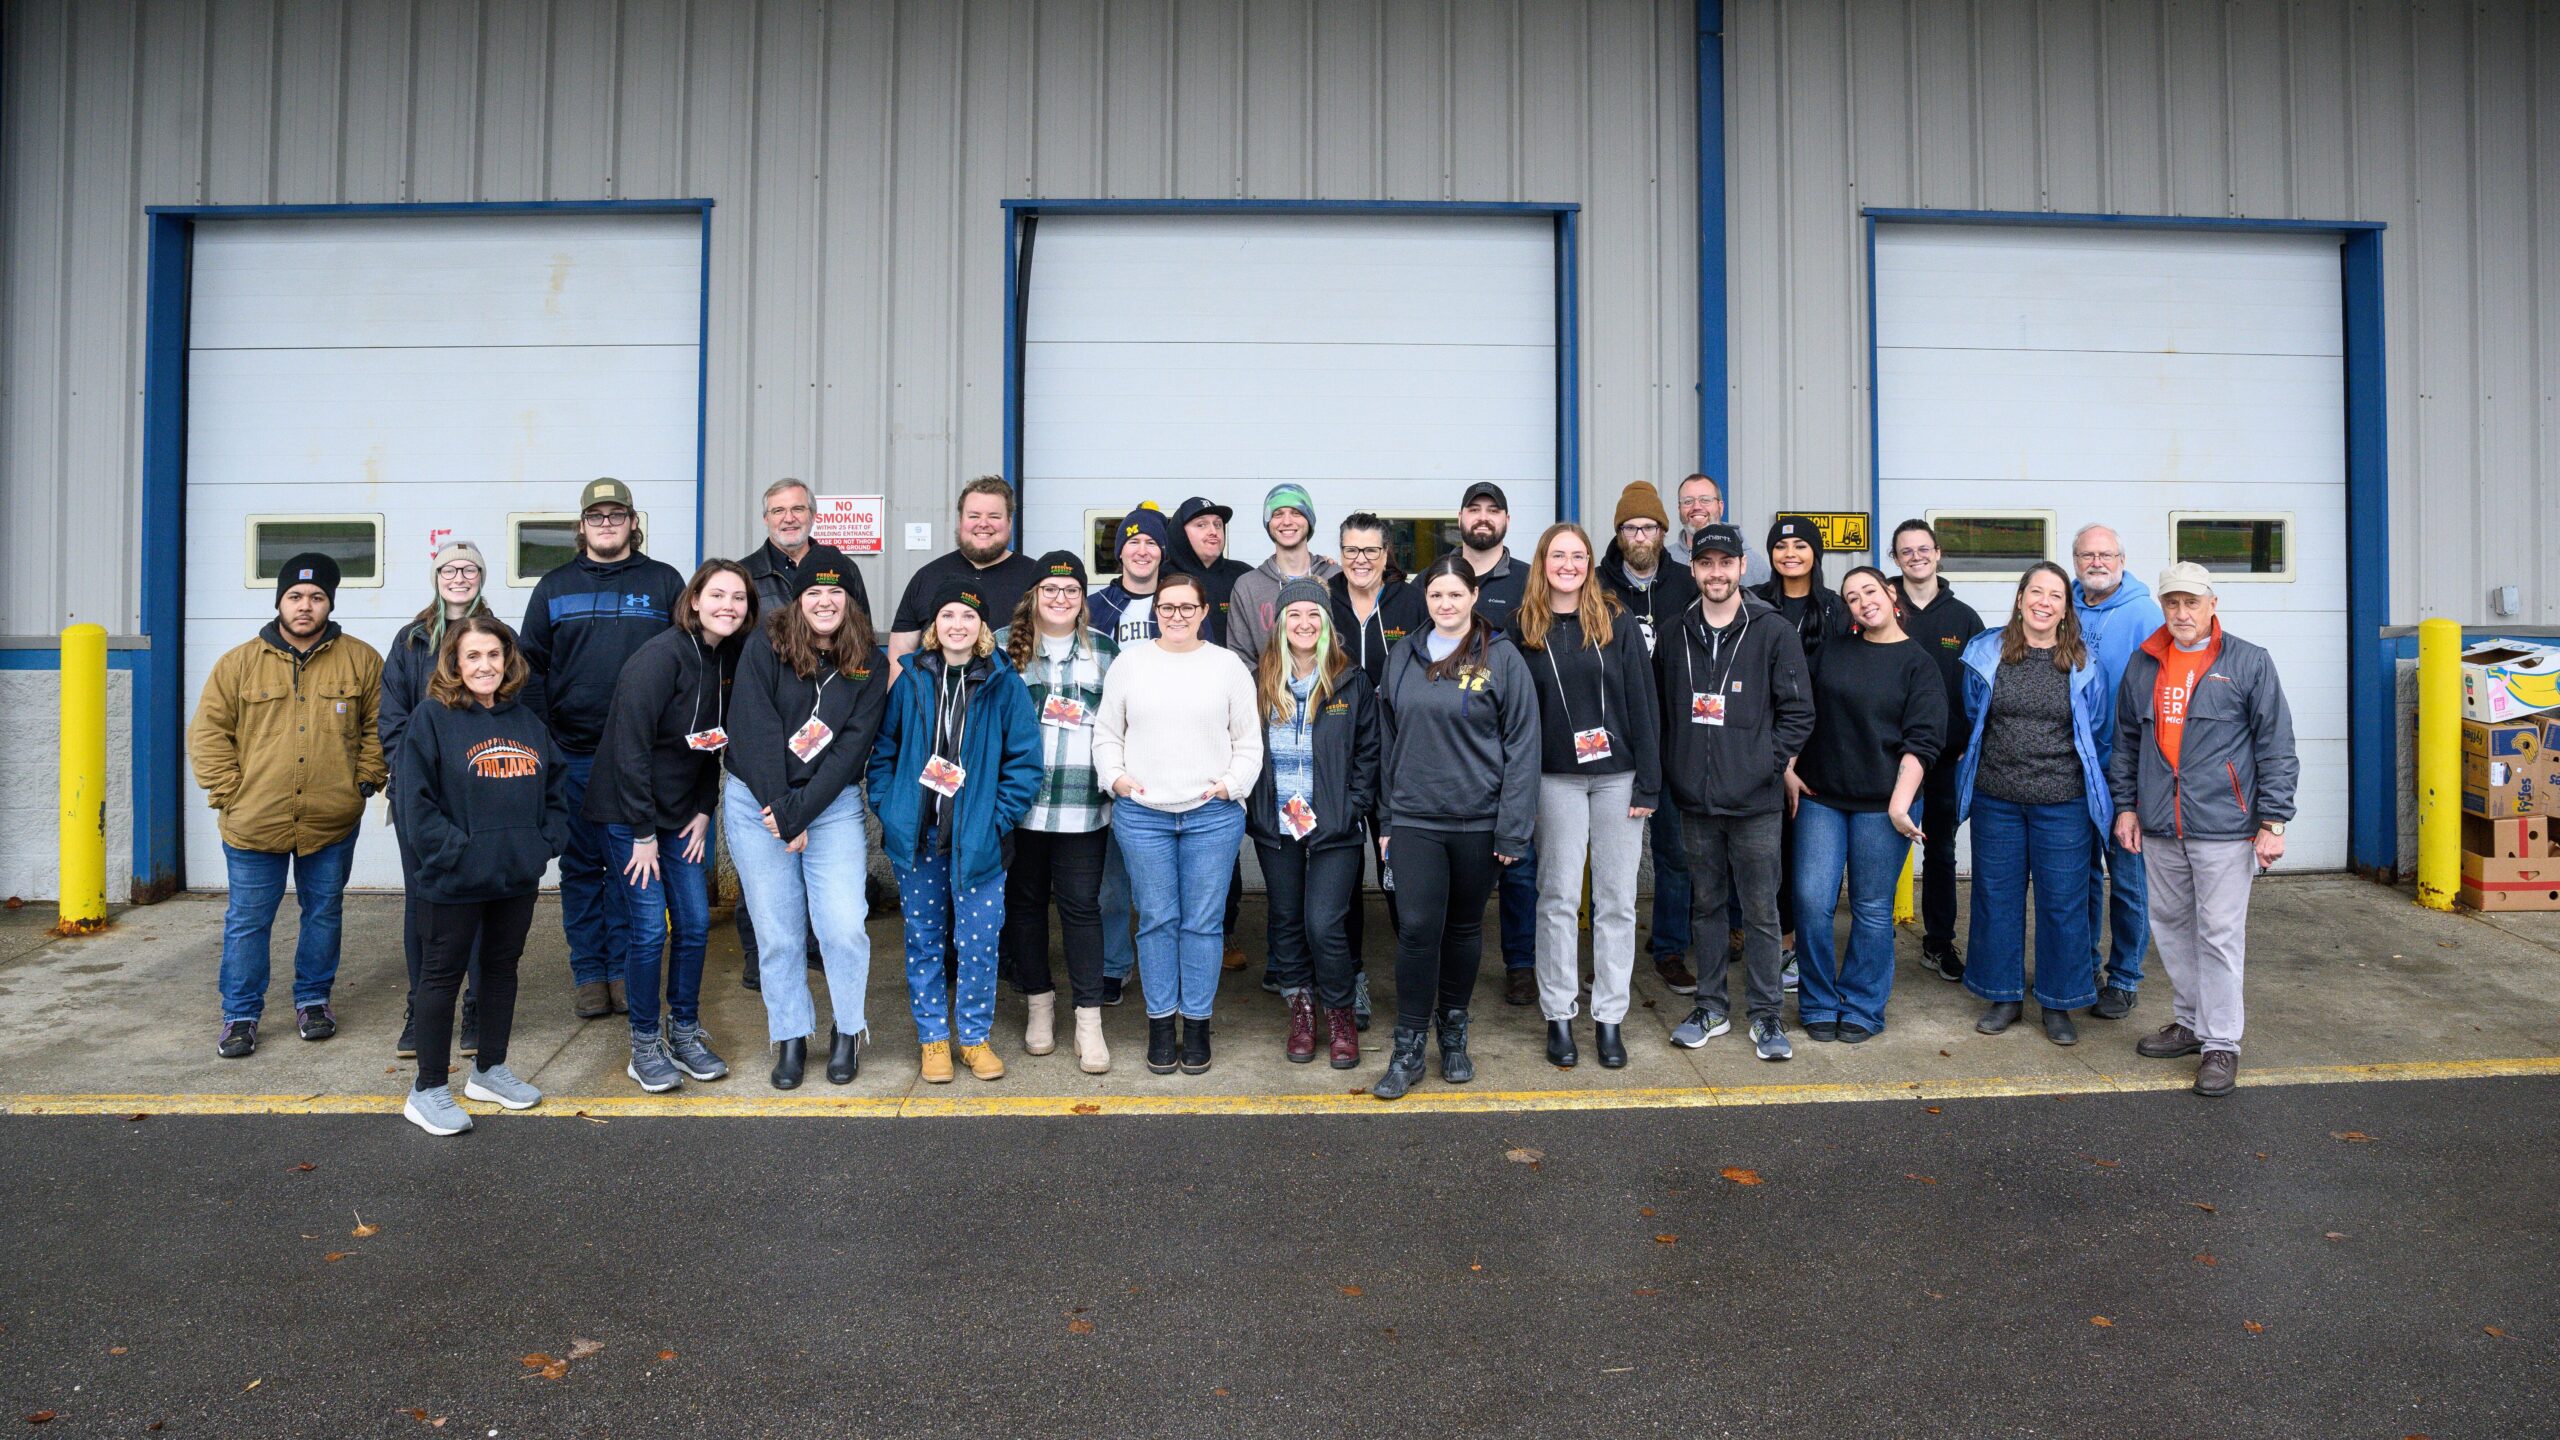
(1020, 235)
(159, 672)
(2373, 812)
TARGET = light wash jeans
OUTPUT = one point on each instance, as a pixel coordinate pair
(1178, 864)
(1579, 814)
(820, 888)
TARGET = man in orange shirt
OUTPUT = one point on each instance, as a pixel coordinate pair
(2203, 778)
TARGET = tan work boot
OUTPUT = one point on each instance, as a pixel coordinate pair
(937, 1062)
(982, 1061)
(1040, 1032)
(1091, 1053)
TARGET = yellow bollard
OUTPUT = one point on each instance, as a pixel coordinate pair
(82, 824)
(1903, 913)
(2439, 762)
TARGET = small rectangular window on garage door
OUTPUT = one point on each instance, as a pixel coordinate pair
(1989, 544)
(541, 542)
(354, 541)
(2234, 545)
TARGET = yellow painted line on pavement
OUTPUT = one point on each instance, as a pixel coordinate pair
(1433, 1099)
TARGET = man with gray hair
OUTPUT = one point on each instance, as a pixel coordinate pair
(2202, 777)
(789, 513)
(2117, 614)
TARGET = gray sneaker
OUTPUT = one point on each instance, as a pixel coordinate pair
(689, 1046)
(1769, 1040)
(649, 1063)
(1787, 976)
(1360, 1000)
(1704, 1024)
(434, 1111)
(499, 1086)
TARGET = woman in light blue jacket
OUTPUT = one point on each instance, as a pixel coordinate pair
(2034, 785)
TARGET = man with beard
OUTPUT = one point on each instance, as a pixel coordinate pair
(286, 745)
(1125, 609)
(1655, 597)
(1701, 505)
(1197, 545)
(1484, 518)
(983, 555)
(1942, 625)
(1253, 610)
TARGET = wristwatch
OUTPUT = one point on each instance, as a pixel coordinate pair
(2272, 827)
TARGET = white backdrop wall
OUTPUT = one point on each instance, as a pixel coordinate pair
(858, 152)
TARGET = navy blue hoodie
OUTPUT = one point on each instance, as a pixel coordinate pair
(483, 798)
(584, 620)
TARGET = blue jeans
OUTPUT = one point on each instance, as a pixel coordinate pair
(2048, 847)
(1851, 987)
(2130, 908)
(256, 878)
(1518, 887)
(1119, 947)
(820, 888)
(1671, 885)
(1178, 863)
(590, 913)
(969, 923)
(678, 905)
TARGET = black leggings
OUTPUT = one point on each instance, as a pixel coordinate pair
(1443, 879)
(1067, 868)
(497, 928)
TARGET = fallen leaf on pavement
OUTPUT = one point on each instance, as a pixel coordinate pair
(2493, 1332)
(1740, 1176)
(252, 1385)
(556, 1370)
(666, 1354)
(2335, 1235)
(1923, 1179)
(334, 1256)
(362, 1230)
(581, 1349)
(535, 1361)
(1523, 1155)
(1646, 1212)
(437, 1422)
(1932, 1294)
(2102, 1322)
(1358, 1090)
(2253, 1327)
(418, 1415)
(1220, 1392)
(1351, 1292)
(1942, 1052)
(138, 1115)
(306, 1167)
(1646, 1294)
(1079, 1327)
(41, 1417)
(1666, 1239)
(2207, 1260)
(1937, 1109)
(2352, 1137)
(115, 1349)
(2201, 1205)
(2104, 1164)
(1084, 1109)
(590, 1119)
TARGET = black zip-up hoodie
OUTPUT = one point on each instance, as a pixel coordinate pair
(1657, 606)
(1579, 691)
(484, 800)
(583, 621)
(646, 775)
(1398, 613)
(1943, 629)
(1219, 579)
(1460, 754)
(1344, 737)
(1739, 767)
(1819, 617)
(770, 702)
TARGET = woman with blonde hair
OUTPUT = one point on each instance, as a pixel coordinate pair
(1600, 776)
(1319, 783)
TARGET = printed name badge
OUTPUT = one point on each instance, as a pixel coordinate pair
(1590, 745)
(942, 777)
(1706, 708)
(810, 738)
(715, 738)
(1064, 711)
(1298, 817)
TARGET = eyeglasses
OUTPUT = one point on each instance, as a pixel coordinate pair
(459, 572)
(1364, 552)
(1639, 529)
(2097, 554)
(776, 512)
(1177, 612)
(1914, 552)
(1068, 591)
(607, 517)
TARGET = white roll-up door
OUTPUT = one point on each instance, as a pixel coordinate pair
(1386, 362)
(372, 386)
(2186, 388)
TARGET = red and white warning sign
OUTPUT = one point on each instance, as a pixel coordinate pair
(851, 523)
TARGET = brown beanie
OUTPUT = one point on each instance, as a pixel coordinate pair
(1641, 501)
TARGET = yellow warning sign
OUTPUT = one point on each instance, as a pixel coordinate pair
(1841, 529)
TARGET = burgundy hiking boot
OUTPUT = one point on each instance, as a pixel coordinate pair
(1344, 1028)
(1302, 1027)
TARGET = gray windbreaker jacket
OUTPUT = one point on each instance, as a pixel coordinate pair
(2236, 767)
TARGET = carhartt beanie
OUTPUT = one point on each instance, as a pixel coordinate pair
(1796, 527)
(308, 568)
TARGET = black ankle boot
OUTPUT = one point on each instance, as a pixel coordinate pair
(1455, 1067)
(1404, 1067)
(844, 1058)
(2059, 1029)
(1999, 1015)
(791, 1059)
(1164, 1048)
(1560, 1051)
(1195, 1047)
(1611, 1045)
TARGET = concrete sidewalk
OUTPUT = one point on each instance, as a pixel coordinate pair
(2343, 973)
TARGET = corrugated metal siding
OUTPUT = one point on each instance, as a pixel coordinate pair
(857, 152)
(2441, 120)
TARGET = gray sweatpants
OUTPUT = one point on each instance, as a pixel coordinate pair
(2200, 921)
(1574, 812)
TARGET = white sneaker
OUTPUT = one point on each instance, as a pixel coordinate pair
(434, 1111)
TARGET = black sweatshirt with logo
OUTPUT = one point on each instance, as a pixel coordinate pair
(1398, 613)
(1581, 687)
(647, 774)
(1460, 754)
(1756, 664)
(768, 705)
(483, 798)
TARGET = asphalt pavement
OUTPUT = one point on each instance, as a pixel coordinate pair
(2318, 1261)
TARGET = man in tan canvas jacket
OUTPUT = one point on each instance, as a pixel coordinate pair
(286, 748)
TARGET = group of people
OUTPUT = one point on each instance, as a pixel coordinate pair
(1022, 739)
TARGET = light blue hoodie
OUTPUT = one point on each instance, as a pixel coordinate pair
(2092, 724)
(2114, 629)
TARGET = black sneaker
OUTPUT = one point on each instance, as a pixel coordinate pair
(470, 1029)
(1946, 964)
(239, 1039)
(2114, 1003)
(1111, 988)
(1826, 1031)
(315, 1022)
(406, 1047)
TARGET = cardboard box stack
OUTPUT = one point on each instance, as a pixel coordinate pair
(2510, 794)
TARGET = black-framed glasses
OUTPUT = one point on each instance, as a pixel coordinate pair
(1177, 612)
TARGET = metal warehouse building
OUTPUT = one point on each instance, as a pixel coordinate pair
(2270, 283)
